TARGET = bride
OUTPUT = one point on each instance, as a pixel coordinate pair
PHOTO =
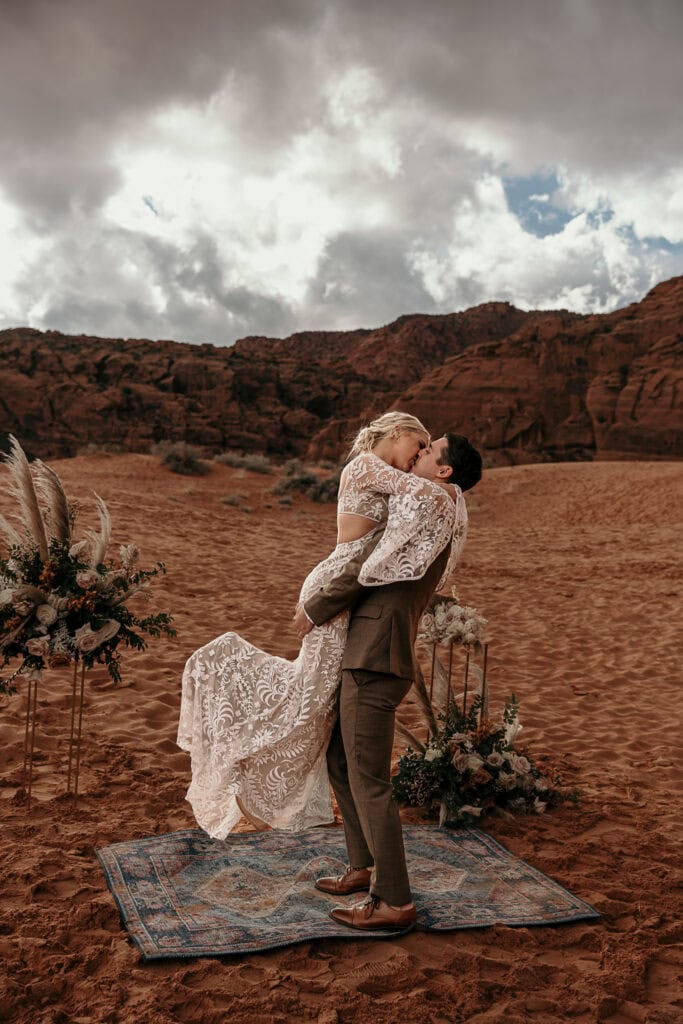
(256, 725)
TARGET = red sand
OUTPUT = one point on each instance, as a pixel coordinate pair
(578, 569)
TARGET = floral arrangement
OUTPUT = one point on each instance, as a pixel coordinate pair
(60, 599)
(470, 766)
(446, 621)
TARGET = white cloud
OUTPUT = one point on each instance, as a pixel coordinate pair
(588, 266)
(297, 163)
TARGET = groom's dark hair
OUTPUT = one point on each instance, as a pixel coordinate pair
(464, 460)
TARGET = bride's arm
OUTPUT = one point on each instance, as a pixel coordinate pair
(339, 593)
(370, 473)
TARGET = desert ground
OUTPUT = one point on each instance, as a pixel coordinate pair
(579, 570)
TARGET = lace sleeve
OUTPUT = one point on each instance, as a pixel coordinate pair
(367, 472)
(418, 529)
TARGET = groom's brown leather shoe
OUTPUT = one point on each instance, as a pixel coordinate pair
(373, 914)
(353, 880)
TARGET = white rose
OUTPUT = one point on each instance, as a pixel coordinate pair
(39, 647)
(539, 806)
(87, 578)
(541, 785)
(520, 765)
(46, 614)
(459, 762)
(495, 759)
(507, 781)
(474, 762)
(5, 597)
(432, 754)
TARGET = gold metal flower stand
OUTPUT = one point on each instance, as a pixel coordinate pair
(75, 732)
(441, 689)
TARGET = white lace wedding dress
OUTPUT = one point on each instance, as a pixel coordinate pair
(256, 725)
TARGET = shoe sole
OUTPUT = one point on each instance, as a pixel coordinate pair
(396, 929)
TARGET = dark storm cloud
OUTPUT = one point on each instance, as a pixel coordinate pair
(75, 73)
(362, 280)
(600, 78)
(512, 88)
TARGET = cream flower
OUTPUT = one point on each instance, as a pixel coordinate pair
(520, 765)
(87, 578)
(88, 640)
(433, 754)
(38, 646)
(5, 597)
(474, 762)
(46, 614)
(495, 759)
(459, 762)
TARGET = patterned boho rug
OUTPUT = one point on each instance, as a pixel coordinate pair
(185, 895)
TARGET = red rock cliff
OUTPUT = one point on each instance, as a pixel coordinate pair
(524, 386)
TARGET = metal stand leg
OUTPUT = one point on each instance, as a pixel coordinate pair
(78, 738)
(30, 737)
(77, 693)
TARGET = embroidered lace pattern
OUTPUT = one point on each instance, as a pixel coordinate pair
(423, 518)
(256, 725)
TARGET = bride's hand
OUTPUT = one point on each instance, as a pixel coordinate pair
(302, 623)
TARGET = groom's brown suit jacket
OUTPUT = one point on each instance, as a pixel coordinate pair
(384, 619)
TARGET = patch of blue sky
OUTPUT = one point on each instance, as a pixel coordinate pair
(652, 243)
(531, 200)
(661, 244)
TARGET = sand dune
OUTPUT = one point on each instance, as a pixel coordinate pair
(578, 568)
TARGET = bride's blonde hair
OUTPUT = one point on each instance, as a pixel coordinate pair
(391, 424)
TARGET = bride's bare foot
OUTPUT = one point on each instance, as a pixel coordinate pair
(259, 825)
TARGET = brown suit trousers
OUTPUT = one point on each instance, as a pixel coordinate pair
(378, 669)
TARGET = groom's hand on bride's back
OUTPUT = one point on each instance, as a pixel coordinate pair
(302, 623)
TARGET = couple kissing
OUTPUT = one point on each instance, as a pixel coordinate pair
(268, 735)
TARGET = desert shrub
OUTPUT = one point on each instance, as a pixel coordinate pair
(234, 499)
(286, 501)
(181, 458)
(254, 461)
(317, 488)
(108, 448)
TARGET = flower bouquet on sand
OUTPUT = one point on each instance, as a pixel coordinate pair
(468, 765)
(61, 600)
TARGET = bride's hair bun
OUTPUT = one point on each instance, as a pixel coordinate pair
(391, 424)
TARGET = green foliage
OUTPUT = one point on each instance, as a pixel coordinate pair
(304, 481)
(181, 458)
(252, 461)
(63, 609)
(471, 767)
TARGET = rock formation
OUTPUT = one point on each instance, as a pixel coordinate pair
(523, 385)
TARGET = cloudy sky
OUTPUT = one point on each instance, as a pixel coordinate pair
(210, 169)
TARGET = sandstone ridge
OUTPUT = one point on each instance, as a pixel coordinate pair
(525, 386)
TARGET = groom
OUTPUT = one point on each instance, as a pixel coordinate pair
(377, 671)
